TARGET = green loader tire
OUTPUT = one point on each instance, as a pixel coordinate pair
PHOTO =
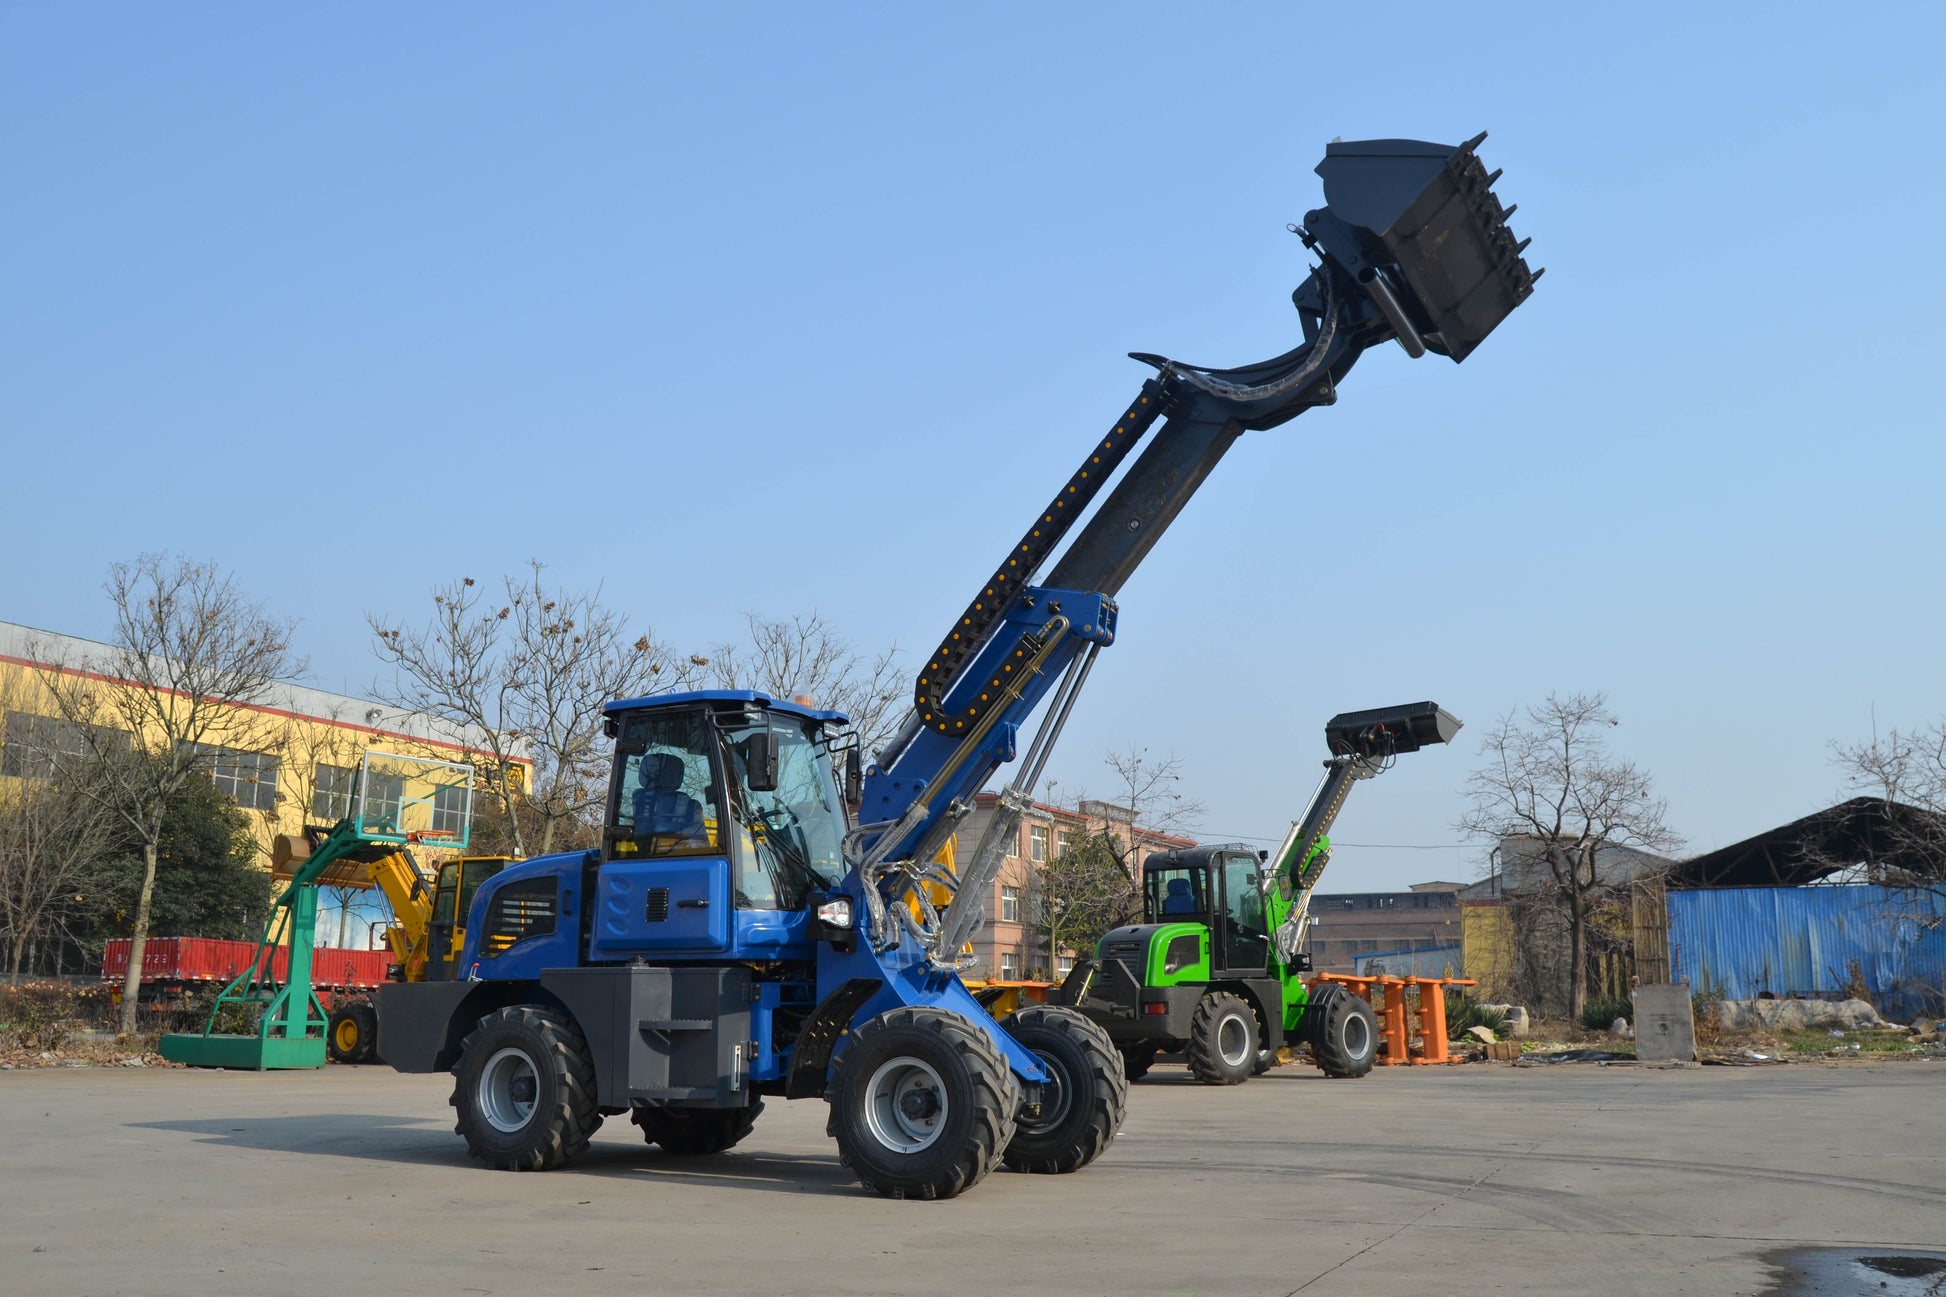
(1342, 1031)
(1223, 1040)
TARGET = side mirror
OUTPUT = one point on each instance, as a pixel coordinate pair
(760, 761)
(854, 778)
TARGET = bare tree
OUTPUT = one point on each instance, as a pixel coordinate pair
(179, 685)
(1149, 789)
(804, 656)
(1905, 771)
(1550, 783)
(1094, 883)
(51, 836)
(1080, 893)
(529, 673)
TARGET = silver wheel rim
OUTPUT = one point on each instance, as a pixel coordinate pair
(508, 1085)
(1356, 1037)
(1233, 1040)
(905, 1105)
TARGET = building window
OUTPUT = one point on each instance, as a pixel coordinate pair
(1010, 905)
(331, 799)
(450, 805)
(249, 779)
(1060, 844)
(1008, 969)
(37, 745)
(1037, 843)
(1066, 965)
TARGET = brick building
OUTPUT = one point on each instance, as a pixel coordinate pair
(1008, 946)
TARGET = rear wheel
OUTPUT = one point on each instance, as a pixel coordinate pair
(524, 1087)
(1137, 1060)
(1342, 1031)
(1083, 1099)
(351, 1033)
(1222, 1040)
(922, 1104)
(693, 1132)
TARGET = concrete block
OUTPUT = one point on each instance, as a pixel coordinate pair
(1665, 1023)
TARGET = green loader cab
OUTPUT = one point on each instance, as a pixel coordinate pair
(1215, 970)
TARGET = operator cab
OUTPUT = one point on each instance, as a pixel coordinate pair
(1221, 888)
(718, 800)
(452, 898)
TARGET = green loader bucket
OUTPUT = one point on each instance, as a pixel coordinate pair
(1432, 235)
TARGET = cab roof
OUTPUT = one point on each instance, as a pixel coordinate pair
(746, 696)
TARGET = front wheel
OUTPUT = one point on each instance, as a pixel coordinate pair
(351, 1034)
(1222, 1040)
(1343, 1032)
(524, 1087)
(922, 1104)
(696, 1132)
(1083, 1099)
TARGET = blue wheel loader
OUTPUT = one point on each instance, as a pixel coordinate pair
(743, 935)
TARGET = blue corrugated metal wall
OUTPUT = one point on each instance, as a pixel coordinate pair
(1801, 941)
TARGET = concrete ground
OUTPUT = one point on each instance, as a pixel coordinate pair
(1569, 1179)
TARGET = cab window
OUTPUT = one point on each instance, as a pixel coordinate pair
(664, 797)
(1178, 893)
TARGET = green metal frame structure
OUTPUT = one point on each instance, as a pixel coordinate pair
(290, 1030)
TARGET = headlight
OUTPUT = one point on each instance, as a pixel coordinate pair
(836, 912)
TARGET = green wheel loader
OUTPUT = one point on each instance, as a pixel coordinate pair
(1215, 970)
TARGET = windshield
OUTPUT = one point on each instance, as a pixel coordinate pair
(792, 835)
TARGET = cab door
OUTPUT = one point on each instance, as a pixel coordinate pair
(1246, 934)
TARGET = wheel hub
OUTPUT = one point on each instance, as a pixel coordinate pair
(905, 1105)
(1233, 1041)
(509, 1086)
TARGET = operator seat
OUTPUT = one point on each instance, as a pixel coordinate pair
(1179, 899)
(662, 809)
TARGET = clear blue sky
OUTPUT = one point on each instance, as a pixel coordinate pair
(779, 308)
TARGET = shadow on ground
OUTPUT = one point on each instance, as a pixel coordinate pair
(371, 1137)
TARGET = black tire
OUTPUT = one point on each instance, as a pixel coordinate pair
(525, 1090)
(922, 1104)
(696, 1132)
(1342, 1031)
(1082, 1102)
(1222, 1040)
(351, 1033)
(1137, 1060)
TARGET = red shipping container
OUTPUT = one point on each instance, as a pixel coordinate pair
(206, 959)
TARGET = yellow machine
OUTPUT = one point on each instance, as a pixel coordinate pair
(425, 934)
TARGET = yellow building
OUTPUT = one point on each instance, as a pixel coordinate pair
(289, 760)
